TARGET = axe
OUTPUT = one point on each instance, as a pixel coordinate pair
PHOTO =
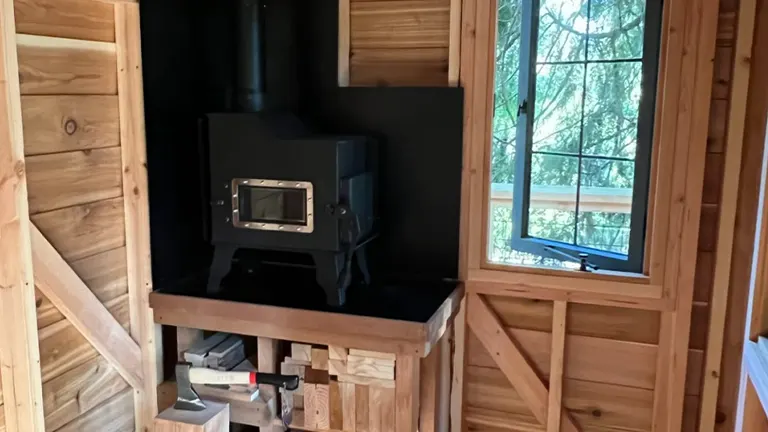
(187, 398)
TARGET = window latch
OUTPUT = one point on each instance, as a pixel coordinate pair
(583, 260)
(522, 108)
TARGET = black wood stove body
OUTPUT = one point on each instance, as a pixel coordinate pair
(276, 187)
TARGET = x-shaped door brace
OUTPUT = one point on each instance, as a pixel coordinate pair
(546, 405)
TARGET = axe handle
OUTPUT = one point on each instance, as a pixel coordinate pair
(211, 376)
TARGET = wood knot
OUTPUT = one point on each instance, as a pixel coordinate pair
(70, 126)
(597, 413)
(720, 417)
(19, 169)
(38, 302)
(136, 190)
(715, 374)
(87, 152)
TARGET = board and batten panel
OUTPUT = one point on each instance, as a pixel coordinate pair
(68, 74)
(399, 42)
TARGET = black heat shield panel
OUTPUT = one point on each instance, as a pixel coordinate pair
(419, 132)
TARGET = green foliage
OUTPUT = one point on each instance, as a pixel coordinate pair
(587, 88)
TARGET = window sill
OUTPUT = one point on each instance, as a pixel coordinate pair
(629, 290)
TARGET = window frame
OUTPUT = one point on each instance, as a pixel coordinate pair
(521, 241)
(677, 167)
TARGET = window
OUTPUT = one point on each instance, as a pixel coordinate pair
(574, 96)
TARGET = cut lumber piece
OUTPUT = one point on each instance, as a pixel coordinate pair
(185, 339)
(507, 354)
(401, 24)
(372, 354)
(371, 367)
(301, 352)
(337, 353)
(55, 124)
(362, 393)
(214, 418)
(408, 384)
(555, 406)
(77, 303)
(366, 381)
(227, 354)
(428, 391)
(49, 65)
(81, 231)
(114, 415)
(291, 369)
(335, 406)
(314, 376)
(231, 394)
(337, 367)
(75, 19)
(104, 274)
(198, 352)
(68, 179)
(267, 362)
(381, 410)
(63, 347)
(293, 361)
(348, 405)
(319, 359)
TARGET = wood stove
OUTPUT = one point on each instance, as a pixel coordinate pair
(275, 186)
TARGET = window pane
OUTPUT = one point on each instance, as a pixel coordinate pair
(605, 204)
(562, 30)
(557, 117)
(552, 210)
(612, 109)
(616, 29)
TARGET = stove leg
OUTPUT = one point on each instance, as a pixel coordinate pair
(222, 262)
(328, 268)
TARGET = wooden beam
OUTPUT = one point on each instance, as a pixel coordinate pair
(457, 375)
(136, 201)
(267, 362)
(344, 43)
(407, 385)
(19, 349)
(555, 406)
(69, 294)
(488, 329)
(454, 43)
(728, 208)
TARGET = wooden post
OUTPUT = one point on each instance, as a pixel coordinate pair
(19, 349)
(136, 202)
(267, 363)
(407, 376)
(215, 418)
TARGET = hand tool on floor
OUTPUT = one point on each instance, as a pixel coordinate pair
(187, 398)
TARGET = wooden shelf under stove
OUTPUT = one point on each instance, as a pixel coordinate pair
(308, 326)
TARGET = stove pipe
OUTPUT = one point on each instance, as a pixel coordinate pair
(250, 62)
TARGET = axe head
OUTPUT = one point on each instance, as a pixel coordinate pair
(187, 398)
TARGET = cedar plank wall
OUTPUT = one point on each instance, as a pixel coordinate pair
(399, 42)
(68, 75)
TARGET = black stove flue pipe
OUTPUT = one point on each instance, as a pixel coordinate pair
(249, 91)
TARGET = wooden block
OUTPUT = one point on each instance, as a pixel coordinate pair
(301, 352)
(319, 359)
(231, 343)
(298, 402)
(337, 367)
(337, 353)
(291, 360)
(218, 393)
(215, 418)
(361, 407)
(323, 406)
(292, 369)
(335, 406)
(310, 405)
(366, 381)
(314, 376)
(374, 354)
(197, 353)
(381, 410)
(371, 367)
(348, 405)
(186, 338)
(66, 18)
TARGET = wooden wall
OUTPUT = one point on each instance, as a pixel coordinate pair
(397, 42)
(71, 113)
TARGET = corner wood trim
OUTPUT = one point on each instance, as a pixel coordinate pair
(488, 329)
(56, 279)
(135, 196)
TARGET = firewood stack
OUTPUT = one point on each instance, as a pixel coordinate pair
(342, 389)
